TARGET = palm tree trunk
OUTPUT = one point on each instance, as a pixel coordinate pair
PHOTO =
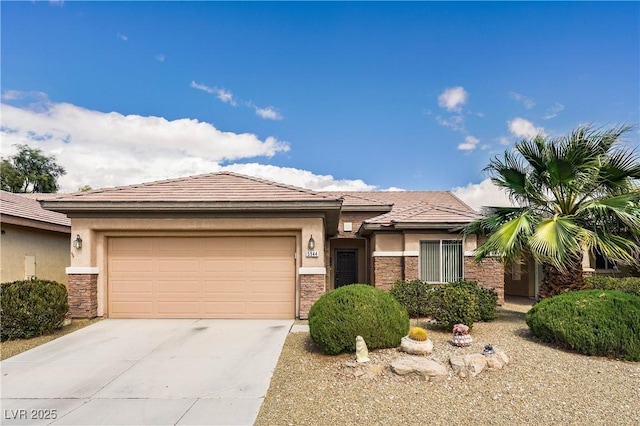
(556, 282)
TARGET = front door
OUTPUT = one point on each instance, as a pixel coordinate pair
(346, 267)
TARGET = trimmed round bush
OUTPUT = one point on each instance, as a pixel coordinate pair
(412, 295)
(591, 322)
(354, 310)
(31, 308)
(487, 299)
(453, 304)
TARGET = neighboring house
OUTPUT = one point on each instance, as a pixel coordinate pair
(225, 245)
(35, 242)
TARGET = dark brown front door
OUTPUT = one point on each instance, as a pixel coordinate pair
(346, 267)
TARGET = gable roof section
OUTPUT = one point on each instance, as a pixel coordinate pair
(402, 199)
(213, 192)
(425, 212)
(25, 210)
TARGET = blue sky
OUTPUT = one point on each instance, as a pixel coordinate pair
(322, 95)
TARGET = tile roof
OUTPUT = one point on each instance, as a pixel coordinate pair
(400, 199)
(212, 187)
(26, 206)
(424, 212)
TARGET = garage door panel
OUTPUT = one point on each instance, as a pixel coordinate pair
(223, 286)
(201, 277)
(225, 266)
(131, 246)
(128, 287)
(132, 309)
(237, 309)
(131, 265)
(177, 287)
(271, 267)
(177, 307)
(182, 266)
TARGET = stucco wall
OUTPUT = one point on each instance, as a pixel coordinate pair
(50, 249)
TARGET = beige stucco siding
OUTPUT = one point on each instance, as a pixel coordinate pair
(95, 233)
(401, 243)
(51, 251)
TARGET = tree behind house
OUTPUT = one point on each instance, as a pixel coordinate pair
(29, 170)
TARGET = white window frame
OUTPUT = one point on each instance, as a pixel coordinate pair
(441, 256)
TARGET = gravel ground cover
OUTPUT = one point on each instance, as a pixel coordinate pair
(542, 385)
(14, 347)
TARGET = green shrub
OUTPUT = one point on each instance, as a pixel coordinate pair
(31, 308)
(591, 322)
(487, 299)
(626, 285)
(451, 304)
(354, 310)
(412, 295)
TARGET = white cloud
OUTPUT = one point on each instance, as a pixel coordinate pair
(553, 111)
(524, 128)
(222, 94)
(453, 98)
(482, 194)
(123, 37)
(106, 149)
(503, 140)
(268, 113)
(526, 101)
(160, 57)
(297, 177)
(470, 143)
(455, 122)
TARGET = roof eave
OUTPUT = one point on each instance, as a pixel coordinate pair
(36, 224)
(369, 228)
(191, 206)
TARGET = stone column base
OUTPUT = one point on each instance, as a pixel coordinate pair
(311, 288)
(83, 295)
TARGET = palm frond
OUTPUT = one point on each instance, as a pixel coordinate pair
(555, 241)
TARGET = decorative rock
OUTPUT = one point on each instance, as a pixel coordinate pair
(415, 347)
(426, 368)
(497, 360)
(468, 365)
(362, 353)
(374, 371)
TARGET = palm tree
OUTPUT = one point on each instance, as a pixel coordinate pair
(572, 193)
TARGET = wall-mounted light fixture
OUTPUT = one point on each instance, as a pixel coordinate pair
(77, 243)
(312, 243)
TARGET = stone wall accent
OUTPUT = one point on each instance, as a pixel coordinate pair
(83, 295)
(387, 270)
(489, 274)
(411, 268)
(311, 288)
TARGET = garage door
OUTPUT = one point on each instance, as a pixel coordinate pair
(212, 277)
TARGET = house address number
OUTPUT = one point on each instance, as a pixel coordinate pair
(312, 254)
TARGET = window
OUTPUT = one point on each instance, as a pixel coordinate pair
(441, 260)
(604, 263)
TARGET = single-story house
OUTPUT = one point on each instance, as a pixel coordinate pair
(225, 245)
(35, 241)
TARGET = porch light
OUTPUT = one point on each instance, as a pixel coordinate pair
(77, 243)
(312, 243)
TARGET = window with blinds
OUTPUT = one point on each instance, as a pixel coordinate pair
(441, 260)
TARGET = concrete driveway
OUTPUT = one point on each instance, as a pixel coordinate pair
(146, 372)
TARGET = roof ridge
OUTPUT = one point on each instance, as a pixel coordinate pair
(272, 183)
